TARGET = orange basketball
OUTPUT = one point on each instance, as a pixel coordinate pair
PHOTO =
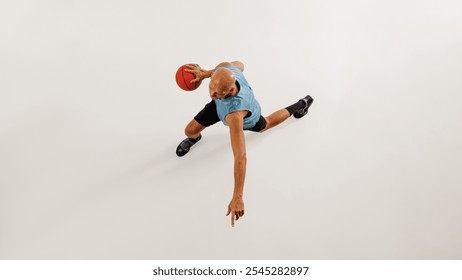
(183, 79)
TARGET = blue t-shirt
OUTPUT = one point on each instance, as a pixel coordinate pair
(244, 100)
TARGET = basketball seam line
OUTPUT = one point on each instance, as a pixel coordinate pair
(184, 81)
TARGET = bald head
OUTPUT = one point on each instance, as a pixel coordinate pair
(222, 84)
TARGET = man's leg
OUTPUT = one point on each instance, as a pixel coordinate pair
(193, 131)
(298, 109)
(206, 117)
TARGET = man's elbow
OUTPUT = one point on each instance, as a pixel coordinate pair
(239, 65)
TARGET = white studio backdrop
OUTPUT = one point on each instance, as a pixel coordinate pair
(90, 117)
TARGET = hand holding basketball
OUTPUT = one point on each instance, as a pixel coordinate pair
(186, 80)
(189, 76)
(198, 72)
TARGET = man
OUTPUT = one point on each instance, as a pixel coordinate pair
(234, 103)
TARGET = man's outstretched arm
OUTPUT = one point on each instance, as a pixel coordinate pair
(235, 121)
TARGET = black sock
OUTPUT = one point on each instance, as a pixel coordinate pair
(295, 107)
(194, 140)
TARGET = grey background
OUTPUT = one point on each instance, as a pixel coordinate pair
(90, 117)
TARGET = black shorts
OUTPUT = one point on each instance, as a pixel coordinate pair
(209, 116)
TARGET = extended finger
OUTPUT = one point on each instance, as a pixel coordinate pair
(232, 220)
(192, 65)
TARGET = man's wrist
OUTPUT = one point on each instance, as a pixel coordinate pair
(237, 195)
(208, 73)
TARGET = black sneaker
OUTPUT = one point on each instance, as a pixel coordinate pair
(308, 100)
(185, 145)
